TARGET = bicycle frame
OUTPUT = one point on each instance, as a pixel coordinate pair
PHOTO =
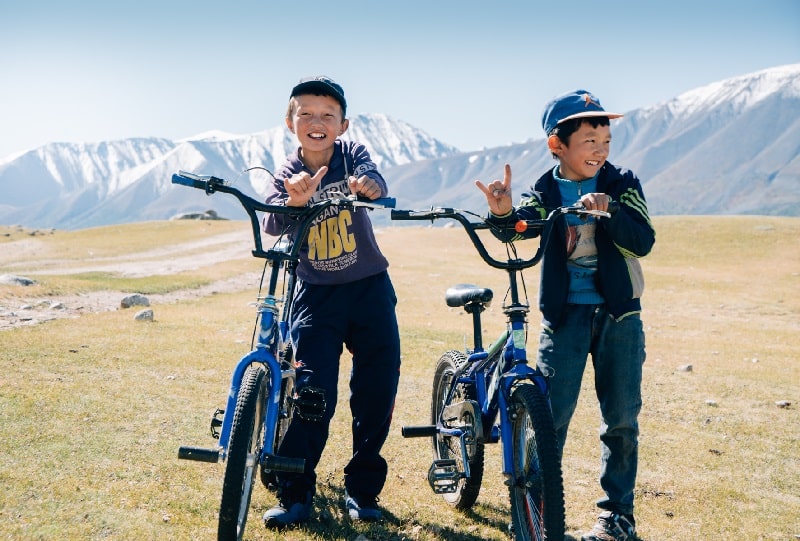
(261, 397)
(494, 373)
(271, 338)
(272, 324)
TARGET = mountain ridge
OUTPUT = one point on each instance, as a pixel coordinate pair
(730, 147)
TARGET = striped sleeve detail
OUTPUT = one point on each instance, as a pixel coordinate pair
(633, 199)
(531, 204)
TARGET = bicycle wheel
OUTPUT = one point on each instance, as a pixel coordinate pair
(243, 451)
(448, 447)
(536, 490)
(285, 413)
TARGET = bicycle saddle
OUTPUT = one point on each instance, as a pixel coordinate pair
(462, 294)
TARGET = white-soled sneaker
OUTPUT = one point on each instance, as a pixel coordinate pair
(289, 511)
(612, 526)
(364, 509)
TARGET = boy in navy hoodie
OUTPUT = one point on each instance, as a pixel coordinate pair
(591, 285)
(344, 297)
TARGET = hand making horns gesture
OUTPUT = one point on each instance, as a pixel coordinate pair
(498, 193)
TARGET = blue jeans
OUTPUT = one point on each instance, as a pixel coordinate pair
(618, 353)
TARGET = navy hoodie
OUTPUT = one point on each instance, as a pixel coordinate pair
(341, 245)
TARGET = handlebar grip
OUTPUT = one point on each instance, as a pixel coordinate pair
(192, 182)
(400, 215)
(416, 214)
(386, 202)
(580, 210)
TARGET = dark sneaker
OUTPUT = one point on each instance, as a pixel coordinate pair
(612, 527)
(365, 509)
(289, 511)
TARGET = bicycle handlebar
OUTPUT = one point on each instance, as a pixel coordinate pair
(304, 215)
(520, 226)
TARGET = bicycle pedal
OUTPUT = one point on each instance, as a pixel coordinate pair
(216, 422)
(443, 476)
(199, 454)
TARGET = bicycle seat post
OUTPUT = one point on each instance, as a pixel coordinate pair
(475, 308)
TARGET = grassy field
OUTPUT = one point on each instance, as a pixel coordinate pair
(94, 409)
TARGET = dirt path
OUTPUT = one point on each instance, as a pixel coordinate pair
(20, 310)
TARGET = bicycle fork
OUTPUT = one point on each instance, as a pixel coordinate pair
(268, 340)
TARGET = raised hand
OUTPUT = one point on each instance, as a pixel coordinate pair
(302, 186)
(498, 193)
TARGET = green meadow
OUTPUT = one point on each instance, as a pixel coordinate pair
(93, 408)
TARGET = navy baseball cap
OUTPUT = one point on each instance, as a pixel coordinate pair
(575, 104)
(323, 86)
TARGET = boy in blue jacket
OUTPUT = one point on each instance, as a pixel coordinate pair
(343, 297)
(591, 285)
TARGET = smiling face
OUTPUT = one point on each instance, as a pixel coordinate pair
(586, 152)
(316, 121)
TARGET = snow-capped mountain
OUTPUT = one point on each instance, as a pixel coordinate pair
(731, 147)
(67, 185)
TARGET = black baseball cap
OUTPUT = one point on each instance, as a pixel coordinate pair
(323, 86)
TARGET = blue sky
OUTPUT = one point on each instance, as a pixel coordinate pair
(473, 74)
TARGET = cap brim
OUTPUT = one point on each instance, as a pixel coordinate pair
(589, 114)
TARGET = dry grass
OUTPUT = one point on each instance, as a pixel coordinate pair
(94, 409)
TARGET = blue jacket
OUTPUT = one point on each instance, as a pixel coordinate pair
(621, 240)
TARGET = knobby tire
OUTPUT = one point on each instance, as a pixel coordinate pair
(447, 447)
(243, 451)
(536, 490)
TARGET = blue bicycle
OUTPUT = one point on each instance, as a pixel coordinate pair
(492, 395)
(261, 398)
